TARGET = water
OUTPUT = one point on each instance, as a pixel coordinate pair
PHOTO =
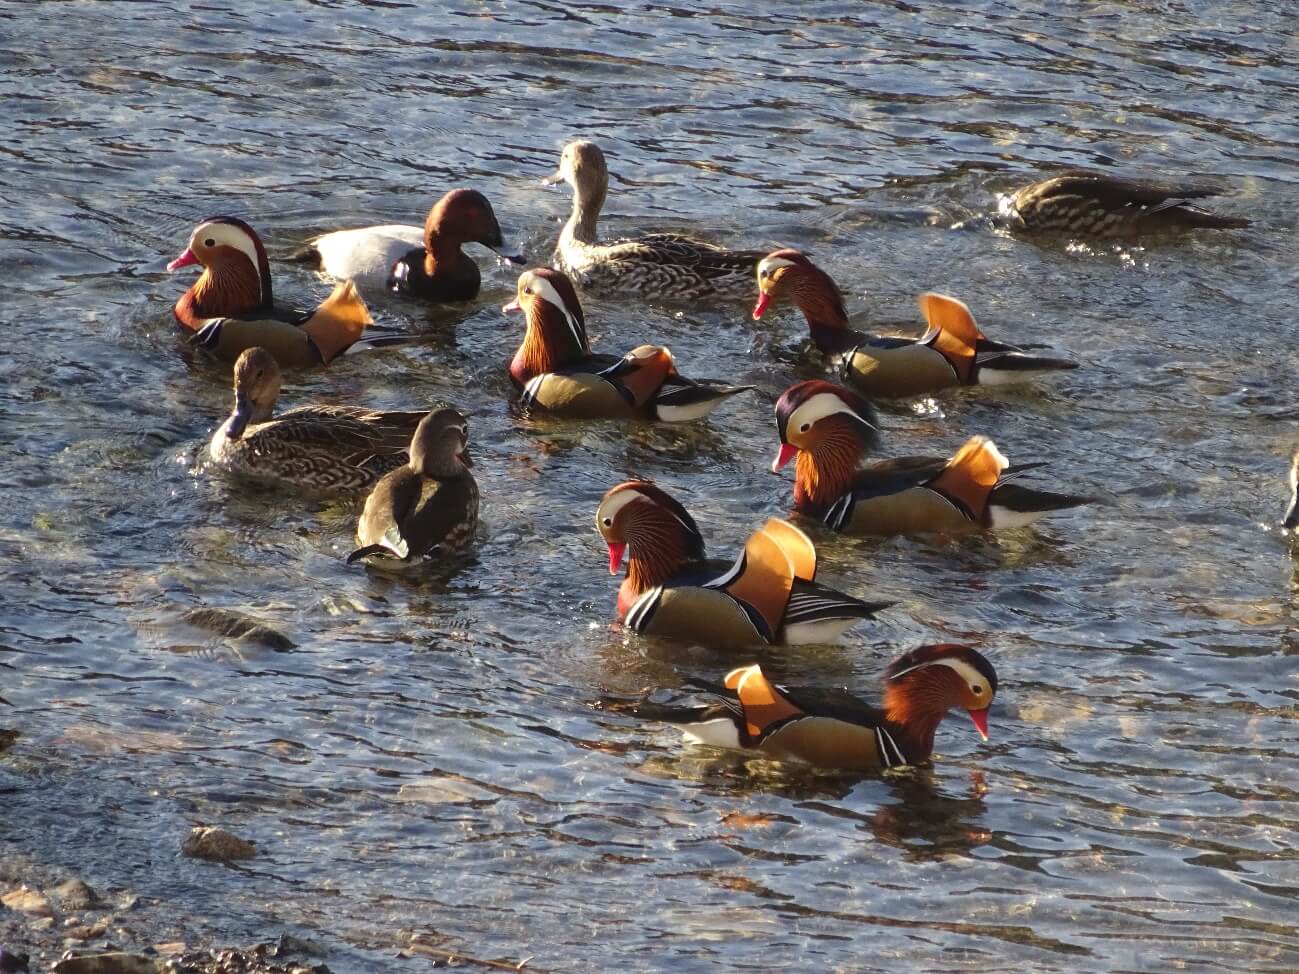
(426, 758)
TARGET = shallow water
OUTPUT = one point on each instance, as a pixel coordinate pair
(425, 757)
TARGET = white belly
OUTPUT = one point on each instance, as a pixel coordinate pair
(366, 255)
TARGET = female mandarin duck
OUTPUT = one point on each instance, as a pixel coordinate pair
(558, 374)
(429, 504)
(316, 448)
(768, 596)
(230, 307)
(660, 265)
(953, 352)
(425, 263)
(829, 429)
(1085, 204)
(834, 729)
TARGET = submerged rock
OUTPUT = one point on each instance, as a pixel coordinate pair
(30, 901)
(116, 962)
(12, 963)
(75, 895)
(217, 845)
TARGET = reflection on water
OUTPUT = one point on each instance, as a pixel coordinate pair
(420, 755)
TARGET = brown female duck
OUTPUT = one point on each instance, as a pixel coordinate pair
(1088, 204)
(767, 596)
(953, 352)
(557, 373)
(319, 448)
(429, 505)
(423, 263)
(830, 430)
(832, 728)
(230, 307)
(657, 266)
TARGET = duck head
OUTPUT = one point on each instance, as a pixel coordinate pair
(920, 687)
(582, 166)
(555, 331)
(788, 273)
(830, 429)
(440, 447)
(464, 216)
(236, 276)
(257, 387)
(656, 533)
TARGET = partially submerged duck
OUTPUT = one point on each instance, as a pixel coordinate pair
(230, 307)
(657, 266)
(952, 352)
(1088, 204)
(318, 448)
(1292, 515)
(557, 373)
(428, 506)
(769, 595)
(422, 263)
(832, 728)
(830, 430)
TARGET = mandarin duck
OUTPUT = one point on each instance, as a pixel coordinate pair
(830, 429)
(768, 595)
(230, 307)
(1086, 204)
(557, 373)
(1292, 514)
(317, 448)
(429, 504)
(832, 728)
(423, 263)
(657, 266)
(953, 352)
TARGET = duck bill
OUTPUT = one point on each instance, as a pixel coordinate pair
(553, 179)
(787, 452)
(616, 551)
(980, 718)
(464, 457)
(186, 259)
(507, 253)
(764, 302)
(512, 306)
(240, 417)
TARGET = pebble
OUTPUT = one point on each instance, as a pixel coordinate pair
(217, 845)
(24, 899)
(75, 895)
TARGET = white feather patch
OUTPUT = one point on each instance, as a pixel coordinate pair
(719, 732)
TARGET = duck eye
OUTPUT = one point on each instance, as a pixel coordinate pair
(976, 689)
(607, 522)
(209, 242)
(805, 427)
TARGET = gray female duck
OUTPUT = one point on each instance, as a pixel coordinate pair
(428, 505)
(319, 449)
(657, 266)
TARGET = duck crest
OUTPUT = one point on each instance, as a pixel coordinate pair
(236, 278)
(816, 295)
(556, 328)
(660, 534)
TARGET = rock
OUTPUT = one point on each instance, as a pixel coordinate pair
(12, 963)
(75, 895)
(117, 962)
(43, 923)
(28, 900)
(217, 845)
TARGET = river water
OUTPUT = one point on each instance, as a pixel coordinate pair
(425, 756)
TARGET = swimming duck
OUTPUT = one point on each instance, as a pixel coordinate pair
(230, 307)
(558, 374)
(1086, 204)
(830, 430)
(767, 596)
(1292, 515)
(430, 503)
(422, 263)
(319, 448)
(832, 728)
(953, 352)
(658, 266)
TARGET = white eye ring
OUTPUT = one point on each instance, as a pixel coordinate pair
(805, 427)
(976, 690)
(607, 522)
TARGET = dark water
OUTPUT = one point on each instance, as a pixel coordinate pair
(426, 758)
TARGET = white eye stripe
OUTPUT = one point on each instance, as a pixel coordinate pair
(817, 408)
(545, 290)
(229, 235)
(769, 264)
(610, 506)
(963, 669)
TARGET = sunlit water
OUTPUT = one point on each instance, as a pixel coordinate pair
(426, 756)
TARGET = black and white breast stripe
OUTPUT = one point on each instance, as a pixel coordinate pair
(642, 610)
(890, 754)
(840, 512)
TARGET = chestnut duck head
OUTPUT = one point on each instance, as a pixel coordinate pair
(820, 417)
(920, 687)
(236, 276)
(640, 518)
(789, 273)
(465, 216)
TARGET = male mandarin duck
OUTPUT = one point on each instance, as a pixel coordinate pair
(317, 448)
(423, 263)
(558, 374)
(230, 307)
(1087, 204)
(767, 596)
(430, 503)
(659, 265)
(953, 352)
(832, 728)
(829, 429)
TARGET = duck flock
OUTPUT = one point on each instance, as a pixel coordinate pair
(422, 499)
